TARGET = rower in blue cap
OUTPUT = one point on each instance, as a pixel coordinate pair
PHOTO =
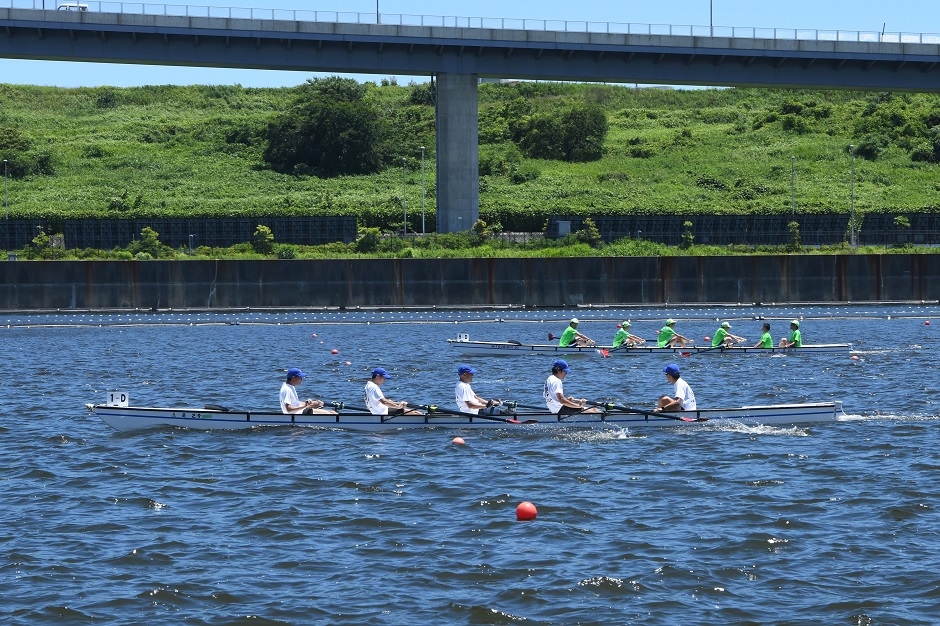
(682, 398)
(467, 400)
(554, 393)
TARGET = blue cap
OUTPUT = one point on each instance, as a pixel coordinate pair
(672, 369)
(562, 365)
(380, 371)
(295, 371)
(465, 369)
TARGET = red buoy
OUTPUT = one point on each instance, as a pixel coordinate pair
(707, 338)
(526, 512)
(458, 441)
(927, 323)
(334, 351)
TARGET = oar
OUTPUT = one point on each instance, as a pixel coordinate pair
(606, 352)
(525, 406)
(610, 405)
(719, 347)
(432, 408)
(339, 406)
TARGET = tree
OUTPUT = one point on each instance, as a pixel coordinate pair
(263, 240)
(331, 131)
(576, 135)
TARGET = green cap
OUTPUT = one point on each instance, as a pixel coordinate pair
(670, 321)
(626, 324)
(795, 323)
(725, 325)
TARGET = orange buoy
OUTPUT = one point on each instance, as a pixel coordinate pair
(707, 338)
(334, 351)
(855, 357)
(458, 441)
(526, 511)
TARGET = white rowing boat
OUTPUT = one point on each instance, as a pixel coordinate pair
(128, 418)
(506, 348)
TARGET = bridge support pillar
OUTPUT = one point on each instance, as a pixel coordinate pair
(458, 184)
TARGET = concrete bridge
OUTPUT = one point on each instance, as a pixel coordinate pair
(459, 51)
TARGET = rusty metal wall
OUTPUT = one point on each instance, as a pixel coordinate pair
(555, 282)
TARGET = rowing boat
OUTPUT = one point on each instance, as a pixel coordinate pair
(505, 348)
(128, 418)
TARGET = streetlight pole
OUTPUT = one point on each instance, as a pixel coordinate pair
(852, 150)
(422, 190)
(711, 21)
(378, 16)
(404, 189)
(792, 186)
(6, 192)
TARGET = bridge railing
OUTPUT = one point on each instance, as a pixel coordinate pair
(500, 23)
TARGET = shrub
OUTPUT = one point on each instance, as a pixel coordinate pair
(687, 237)
(263, 240)
(589, 233)
(368, 240)
(149, 244)
(794, 244)
(286, 251)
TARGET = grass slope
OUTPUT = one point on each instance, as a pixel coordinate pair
(197, 151)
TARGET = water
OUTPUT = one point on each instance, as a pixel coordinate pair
(833, 523)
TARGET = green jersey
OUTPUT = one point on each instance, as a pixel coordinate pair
(719, 337)
(567, 337)
(664, 336)
(796, 339)
(766, 341)
(620, 337)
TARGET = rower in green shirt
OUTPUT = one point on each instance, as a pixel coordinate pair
(796, 339)
(571, 336)
(766, 341)
(623, 336)
(722, 336)
(668, 336)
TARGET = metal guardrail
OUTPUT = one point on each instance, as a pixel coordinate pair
(501, 23)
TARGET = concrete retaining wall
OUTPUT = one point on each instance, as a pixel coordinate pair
(466, 282)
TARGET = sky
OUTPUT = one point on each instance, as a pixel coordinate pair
(907, 16)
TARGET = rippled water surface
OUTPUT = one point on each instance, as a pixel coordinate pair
(745, 524)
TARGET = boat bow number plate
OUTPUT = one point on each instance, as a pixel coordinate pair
(117, 398)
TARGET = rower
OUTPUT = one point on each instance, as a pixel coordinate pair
(377, 402)
(571, 336)
(554, 393)
(723, 337)
(682, 398)
(668, 336)
(766, 341)
(623, 338)
(467, 400)
(795, 340)
(291, 404)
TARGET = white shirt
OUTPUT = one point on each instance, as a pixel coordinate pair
(374, 397)
(553, 387)
(685, 394)
(288, 397)
(465, 394)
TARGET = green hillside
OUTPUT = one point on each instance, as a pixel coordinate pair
(199, 151)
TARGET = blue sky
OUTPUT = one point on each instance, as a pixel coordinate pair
(848, 15)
